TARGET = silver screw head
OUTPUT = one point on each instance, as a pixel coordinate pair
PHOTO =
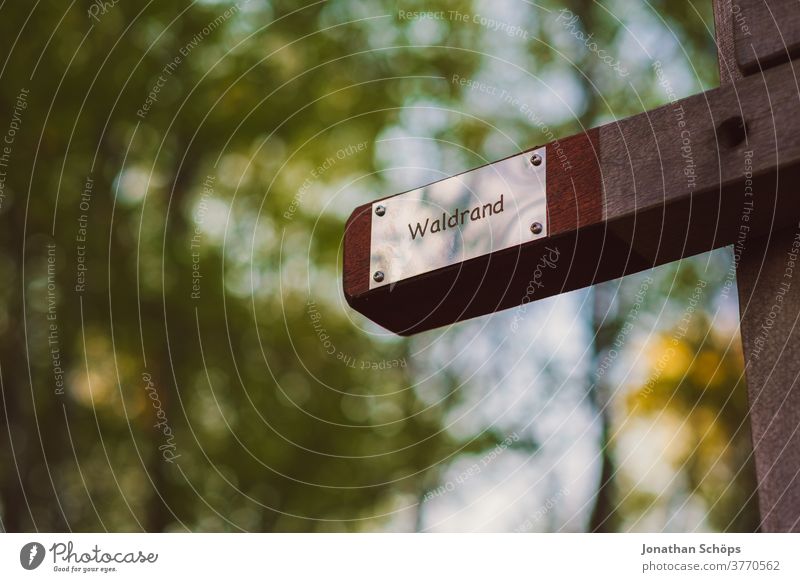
(537, 228)
(380, 210)
(536, 160)
(378, 276)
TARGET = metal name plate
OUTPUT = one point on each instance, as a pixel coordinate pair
(496, 207)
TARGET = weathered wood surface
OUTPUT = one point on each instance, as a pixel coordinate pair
(765, 33)
(768, 278)
(628, 196)
(769, 293)
(726, 54)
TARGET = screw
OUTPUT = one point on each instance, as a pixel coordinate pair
(380, 210)
(378, 276)
(536, 228)
(536, 160)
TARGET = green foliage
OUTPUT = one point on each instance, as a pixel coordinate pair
(212, 377)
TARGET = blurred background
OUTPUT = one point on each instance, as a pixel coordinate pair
(175, 349)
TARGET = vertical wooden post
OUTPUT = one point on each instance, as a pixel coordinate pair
(769, 285)
(770, 311)
(723, 31)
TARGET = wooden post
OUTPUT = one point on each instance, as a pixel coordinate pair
(768, 277)
(753, 36)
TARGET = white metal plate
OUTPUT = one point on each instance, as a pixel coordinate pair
(467, 216)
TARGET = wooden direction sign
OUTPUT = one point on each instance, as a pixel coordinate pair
(713, 169)
(621, 198)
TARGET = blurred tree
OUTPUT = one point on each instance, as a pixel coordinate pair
(695, 389)
(174, 352)
(165, 148)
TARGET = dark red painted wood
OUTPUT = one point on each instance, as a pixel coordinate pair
(574, 187)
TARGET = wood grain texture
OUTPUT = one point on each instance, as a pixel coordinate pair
(772, 354)
(357, 234)
(726, 53)
(770, 313)
(765, 32)
(574, 189)
(649, 159)
(650, 211)
(674, 171)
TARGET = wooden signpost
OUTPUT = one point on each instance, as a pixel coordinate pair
(714, 169)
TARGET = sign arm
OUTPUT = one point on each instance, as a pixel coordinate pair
(621, 198)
